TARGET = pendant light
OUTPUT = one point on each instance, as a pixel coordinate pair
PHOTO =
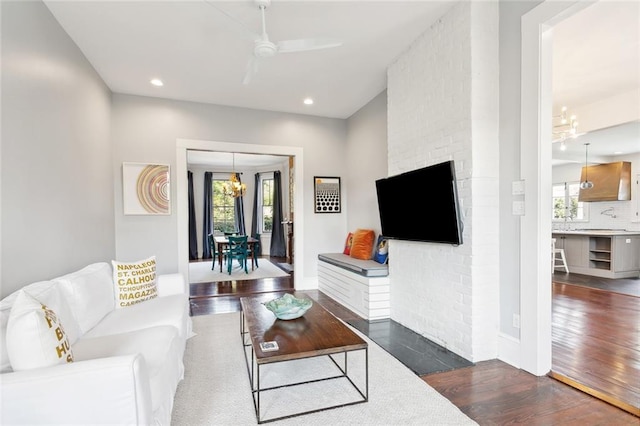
(586, 184)
(234, 188)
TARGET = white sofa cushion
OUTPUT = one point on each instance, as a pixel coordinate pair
(105, 391)
(161, 348)
(134, 282)
(35, 335)
(168, 310)
(89, 293)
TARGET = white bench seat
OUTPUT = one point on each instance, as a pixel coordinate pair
(348, 284)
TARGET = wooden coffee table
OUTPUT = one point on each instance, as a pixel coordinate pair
(317, 333)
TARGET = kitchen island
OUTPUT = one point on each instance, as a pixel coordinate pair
(607, 253)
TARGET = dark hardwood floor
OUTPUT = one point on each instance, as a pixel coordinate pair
(628, 286)
(490, 392)
(596, 341)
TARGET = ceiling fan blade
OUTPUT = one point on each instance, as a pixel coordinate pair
(252, 69)
(245, 31)
(304, 44)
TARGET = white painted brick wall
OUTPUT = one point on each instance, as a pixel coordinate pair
(443, 105)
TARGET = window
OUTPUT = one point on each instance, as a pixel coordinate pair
(224, 219)
(566, 206)
(266, 196)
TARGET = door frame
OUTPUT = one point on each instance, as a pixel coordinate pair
(535, 170)
(182, 201)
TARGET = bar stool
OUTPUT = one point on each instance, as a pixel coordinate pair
(558, 262)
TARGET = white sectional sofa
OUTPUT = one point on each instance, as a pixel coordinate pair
(127, 361)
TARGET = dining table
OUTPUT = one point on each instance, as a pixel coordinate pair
(222, 242)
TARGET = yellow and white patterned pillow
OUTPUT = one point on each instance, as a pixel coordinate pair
(35, 336)
(134, 282)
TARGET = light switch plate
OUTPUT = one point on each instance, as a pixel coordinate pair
(517, 187)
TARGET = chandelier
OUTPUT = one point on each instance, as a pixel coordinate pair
(233, 187)
(564, 127)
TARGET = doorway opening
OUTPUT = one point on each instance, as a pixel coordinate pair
(535, 246)
(184, 145)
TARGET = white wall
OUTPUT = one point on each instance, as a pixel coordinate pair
(367, 162)
(146, 130)
(510, 57)
(442, 105)
(57, 180)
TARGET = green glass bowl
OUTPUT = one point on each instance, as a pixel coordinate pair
(288, 307)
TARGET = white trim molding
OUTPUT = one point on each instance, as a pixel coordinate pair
(509, 349)
(182, 206)
(535, 169)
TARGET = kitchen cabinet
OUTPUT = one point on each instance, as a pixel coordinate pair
(626, 253)
(574, 250)
(601, 254)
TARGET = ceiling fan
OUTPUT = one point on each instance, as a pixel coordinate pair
(265, 48)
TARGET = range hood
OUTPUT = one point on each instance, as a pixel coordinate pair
(611, 182)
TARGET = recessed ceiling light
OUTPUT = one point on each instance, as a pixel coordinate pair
(157, 82)
(617, 153)
(308, 101)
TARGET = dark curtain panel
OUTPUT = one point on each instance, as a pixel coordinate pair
(193, 237)
(207, 218)
(239, 211)
(254, 220)
(278, 247)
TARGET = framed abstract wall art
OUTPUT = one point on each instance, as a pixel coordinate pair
(146, 189)
(326, 194)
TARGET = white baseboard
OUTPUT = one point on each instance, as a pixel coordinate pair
(509, 349)
(307, 283)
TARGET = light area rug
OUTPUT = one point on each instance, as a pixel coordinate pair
(201, 272)
(216, 389)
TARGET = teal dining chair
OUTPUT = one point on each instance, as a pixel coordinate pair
(214, 250)
(239, 251)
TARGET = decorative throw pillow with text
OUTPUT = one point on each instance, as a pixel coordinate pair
(134, 282)
(35, 336)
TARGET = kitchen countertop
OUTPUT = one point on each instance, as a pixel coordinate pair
(597, 232)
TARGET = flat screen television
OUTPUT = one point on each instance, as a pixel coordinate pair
(421, 205)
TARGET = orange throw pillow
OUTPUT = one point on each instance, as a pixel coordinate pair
(362, 246)
(347, 244)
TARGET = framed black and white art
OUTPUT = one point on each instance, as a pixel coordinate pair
(326, 194)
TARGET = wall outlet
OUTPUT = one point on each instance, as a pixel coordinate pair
(516, 320)
(517, 208)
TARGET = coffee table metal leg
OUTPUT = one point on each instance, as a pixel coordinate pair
(258, 395)
(364, 393)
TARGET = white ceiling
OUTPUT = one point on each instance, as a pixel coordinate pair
(596, 54)
(201, 53)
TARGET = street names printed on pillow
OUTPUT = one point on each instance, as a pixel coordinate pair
(134, 282)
